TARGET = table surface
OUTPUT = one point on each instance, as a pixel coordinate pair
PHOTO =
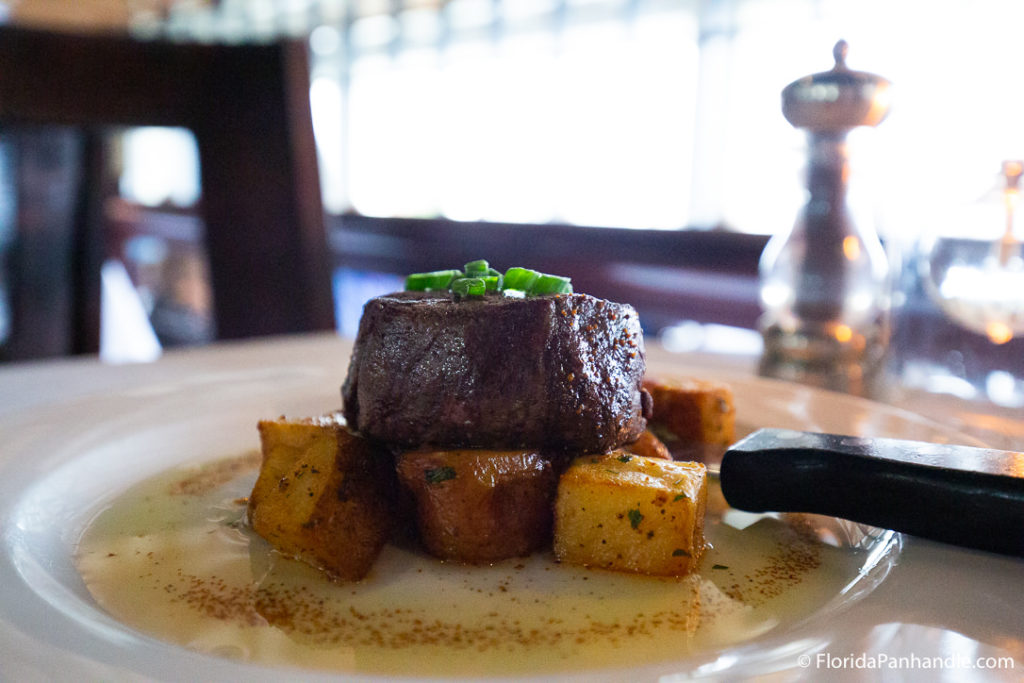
(939, 601)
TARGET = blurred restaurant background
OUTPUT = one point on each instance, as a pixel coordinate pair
(636, 145)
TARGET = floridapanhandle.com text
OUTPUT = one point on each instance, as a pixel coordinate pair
(882, 661)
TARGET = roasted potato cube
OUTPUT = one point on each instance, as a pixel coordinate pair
(692, 410)
(649, 446)
(631, 513)
(479, 505)
(323, 495)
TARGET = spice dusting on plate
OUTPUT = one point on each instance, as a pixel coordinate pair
(205, 479)
(170, 558)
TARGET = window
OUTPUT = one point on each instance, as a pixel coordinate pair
(646, 113)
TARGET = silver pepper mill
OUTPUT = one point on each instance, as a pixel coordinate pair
(825, 282)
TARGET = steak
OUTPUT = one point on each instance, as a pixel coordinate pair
(560, 373)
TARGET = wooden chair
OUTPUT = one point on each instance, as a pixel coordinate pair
(248, 107)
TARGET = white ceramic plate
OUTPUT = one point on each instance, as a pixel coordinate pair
(60, 464)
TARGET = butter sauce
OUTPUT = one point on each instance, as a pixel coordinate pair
(173, 558)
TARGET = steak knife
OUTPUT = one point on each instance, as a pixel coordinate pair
(967, 496)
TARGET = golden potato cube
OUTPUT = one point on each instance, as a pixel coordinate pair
(692, 410)
(631, 513)
(322, 495)
(480, 505)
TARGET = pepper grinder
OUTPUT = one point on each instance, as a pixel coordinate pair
(825, 282)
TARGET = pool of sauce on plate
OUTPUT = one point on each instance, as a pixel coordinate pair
(173, 558)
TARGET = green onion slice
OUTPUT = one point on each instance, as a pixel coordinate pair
(550, 284)
(435, 280)
(520, 278)
(477, 268)
(469, 286)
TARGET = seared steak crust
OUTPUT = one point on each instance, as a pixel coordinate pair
(561, 373)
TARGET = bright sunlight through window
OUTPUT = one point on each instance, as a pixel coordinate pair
(647, 113)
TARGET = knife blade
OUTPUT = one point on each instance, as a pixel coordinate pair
(964, 495)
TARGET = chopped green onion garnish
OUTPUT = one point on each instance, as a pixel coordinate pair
(635, 517)
(550, 284)
(478, 277)
(520, 278)
(426, 282)
(469, 286)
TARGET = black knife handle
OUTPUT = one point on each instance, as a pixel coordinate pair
(972, 497)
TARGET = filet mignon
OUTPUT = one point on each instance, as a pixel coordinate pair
(561, 373)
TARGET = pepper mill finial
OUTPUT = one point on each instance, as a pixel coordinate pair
(837, 99)
(839, 52)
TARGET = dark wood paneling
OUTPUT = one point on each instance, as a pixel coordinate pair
(248, 106)
(669, 275)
